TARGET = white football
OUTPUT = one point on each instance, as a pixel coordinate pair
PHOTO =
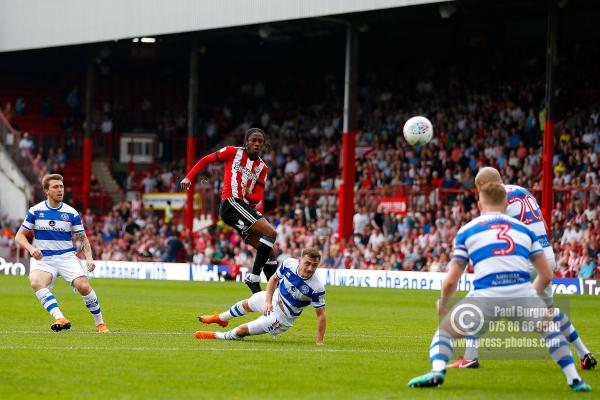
(418, 131)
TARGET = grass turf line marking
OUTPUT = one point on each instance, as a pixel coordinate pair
(350, 335)
(252, 349)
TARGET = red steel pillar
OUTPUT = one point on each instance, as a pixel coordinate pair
(88, 139)
(548, 151)
(192, 128)
(346, 191)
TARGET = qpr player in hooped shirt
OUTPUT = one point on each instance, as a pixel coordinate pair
(55, 226)
(294, 287)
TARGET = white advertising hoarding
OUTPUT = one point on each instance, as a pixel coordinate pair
(331, 277)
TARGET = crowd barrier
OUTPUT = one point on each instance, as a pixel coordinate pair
(331, 277)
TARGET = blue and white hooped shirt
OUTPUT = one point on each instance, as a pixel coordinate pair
(499, 247)
(53, 228)
(523, 206)
(295, 292)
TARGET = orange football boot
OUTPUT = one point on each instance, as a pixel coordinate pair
(102, 328)
(205, 335)
(60, 324)
(212, 319)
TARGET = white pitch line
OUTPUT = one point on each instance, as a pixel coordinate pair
(253, 349)
(349, 335)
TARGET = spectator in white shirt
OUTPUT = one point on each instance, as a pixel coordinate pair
(291, 166)
(26, 145)
(361, 220)
(571, 234)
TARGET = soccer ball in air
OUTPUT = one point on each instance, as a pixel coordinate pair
(418, 131)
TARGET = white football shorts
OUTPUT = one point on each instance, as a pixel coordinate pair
(275, 323)
(67, 265)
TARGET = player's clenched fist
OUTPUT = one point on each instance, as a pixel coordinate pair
(186, 183)
(35, 253)
(90, 266)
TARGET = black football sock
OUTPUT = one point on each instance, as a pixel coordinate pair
(263, 251)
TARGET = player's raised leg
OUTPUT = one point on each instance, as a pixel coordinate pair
(262, 236)
(270, 267)
(254, 304)
(40, 282)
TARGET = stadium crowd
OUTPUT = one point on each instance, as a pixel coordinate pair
(501, 130)
(418, 241)
(474, 126)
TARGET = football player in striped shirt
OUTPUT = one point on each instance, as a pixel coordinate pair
(502, 250)
(525, 208)
(245, 174)
(294, 286)
(55, 226)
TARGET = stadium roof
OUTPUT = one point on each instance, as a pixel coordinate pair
(31, 24)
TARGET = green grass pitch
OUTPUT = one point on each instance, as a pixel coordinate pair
(377, 339)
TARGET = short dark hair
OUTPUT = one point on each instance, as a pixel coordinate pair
(266, 146)
(252, 131)
(310, 252)
(50, 177)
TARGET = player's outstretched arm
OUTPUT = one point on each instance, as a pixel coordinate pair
(186, 183)
(271, 285)
(86, 248)
(321, 325)
(544, 272)
(22, 241)
(455, 270)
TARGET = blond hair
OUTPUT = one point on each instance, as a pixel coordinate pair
(487, 175)
(50, 177)
(493, 194)
(311, 253)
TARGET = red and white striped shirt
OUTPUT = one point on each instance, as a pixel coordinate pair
(240, 171)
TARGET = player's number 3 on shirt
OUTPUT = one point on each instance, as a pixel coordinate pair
(503, 236)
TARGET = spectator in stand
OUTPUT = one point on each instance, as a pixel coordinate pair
(588, 269)
(168, 212)
(26, 146)
(61, 157)
(20, 106)
(361, 220)
(572, 234)
(129, 184)
(106, 126)
(149, 183)
(309, 212)
(291, 166)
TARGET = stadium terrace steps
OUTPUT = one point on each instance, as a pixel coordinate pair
(73, 175)
(107, 182)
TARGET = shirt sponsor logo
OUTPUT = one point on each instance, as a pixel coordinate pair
(50, 228)
(245, 172)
